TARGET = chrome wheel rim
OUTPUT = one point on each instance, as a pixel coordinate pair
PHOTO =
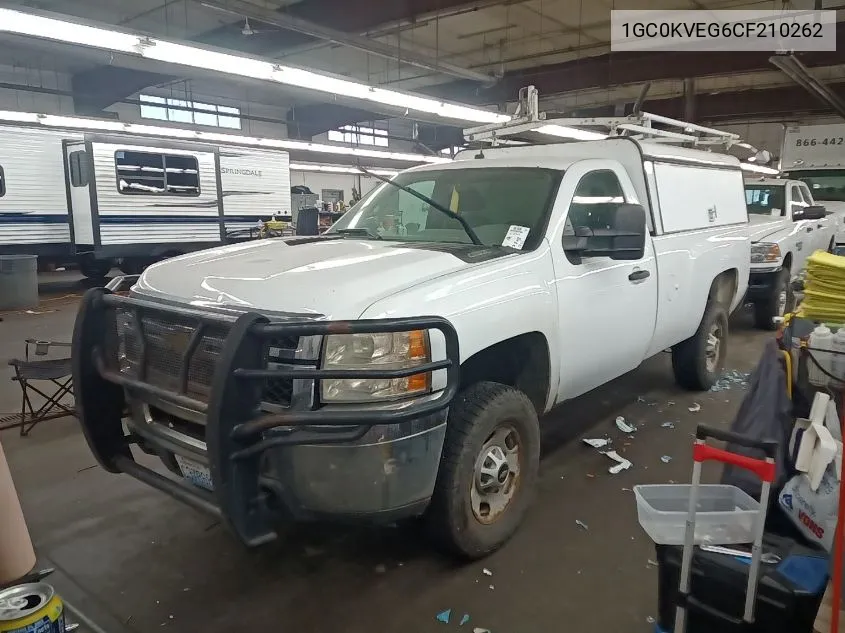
(713, 349)
(495, 477)
(782, 298)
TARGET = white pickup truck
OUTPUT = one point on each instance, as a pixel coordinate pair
(398, 365)
(815, 155)
(786, 227)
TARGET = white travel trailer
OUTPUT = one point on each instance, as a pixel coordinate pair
(106, 200)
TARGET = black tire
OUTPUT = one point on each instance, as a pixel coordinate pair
(133, 265)
(95, 268)
(477, 414)
(689, 358)
(767, 309)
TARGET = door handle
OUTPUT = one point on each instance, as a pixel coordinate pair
(820, 226)
(638, 275)
(809, 229)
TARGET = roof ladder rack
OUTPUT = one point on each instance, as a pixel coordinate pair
(528, 120)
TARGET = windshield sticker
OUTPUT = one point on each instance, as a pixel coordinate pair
(516, 236)
(775, 212)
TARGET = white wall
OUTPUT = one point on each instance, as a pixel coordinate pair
(318, 181)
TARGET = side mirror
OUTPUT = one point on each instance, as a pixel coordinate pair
(624, 240)
(814, 212)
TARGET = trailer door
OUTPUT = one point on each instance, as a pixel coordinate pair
(78, 174)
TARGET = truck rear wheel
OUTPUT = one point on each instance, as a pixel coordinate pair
(778, 303)
(697, 362)
(488, 469)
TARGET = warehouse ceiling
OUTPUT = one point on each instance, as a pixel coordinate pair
(479, 51)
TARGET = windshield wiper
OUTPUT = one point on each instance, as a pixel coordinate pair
(360, 230)
(447, 211)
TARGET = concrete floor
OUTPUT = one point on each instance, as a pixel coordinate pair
(142, 561)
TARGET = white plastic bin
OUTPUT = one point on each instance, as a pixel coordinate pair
(725, 514)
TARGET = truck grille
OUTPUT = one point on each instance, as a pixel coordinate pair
(167, 339)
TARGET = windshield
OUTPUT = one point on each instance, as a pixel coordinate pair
(493, 201)
(825, 184)
(765, 199)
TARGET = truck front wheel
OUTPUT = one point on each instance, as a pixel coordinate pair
(778, 303)
(698, 361)
(488, 469)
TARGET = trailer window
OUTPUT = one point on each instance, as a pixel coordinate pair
(2, 182)
(147, 173)
(79, 176)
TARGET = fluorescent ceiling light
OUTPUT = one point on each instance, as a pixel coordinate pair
(20, 23)
(82, 124)
(759, 169)
(340, 169)
(568, 132)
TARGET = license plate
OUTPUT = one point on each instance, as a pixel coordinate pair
(195, 473)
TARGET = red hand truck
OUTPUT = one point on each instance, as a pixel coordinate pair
(763, 468)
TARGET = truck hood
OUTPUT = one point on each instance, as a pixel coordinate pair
(761, 227)
(320, 277)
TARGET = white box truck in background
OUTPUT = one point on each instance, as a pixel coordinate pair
(815, 154)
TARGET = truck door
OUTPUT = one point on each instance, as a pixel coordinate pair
(607, 307)
(78, 174)
(826, 227)
(805, 231)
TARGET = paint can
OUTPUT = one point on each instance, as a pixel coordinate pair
(31, 608)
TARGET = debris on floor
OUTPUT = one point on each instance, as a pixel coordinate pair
(731, 379)
(622, 463)
(668, 425)
(464, 619)
(666, 459)
(623, 426)
(444, 616)
(487, 572)
(596, 442)
(695, 408)
(480, 630)
(581, 524)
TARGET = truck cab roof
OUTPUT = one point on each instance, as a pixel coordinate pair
(772, 182)
(607, 148)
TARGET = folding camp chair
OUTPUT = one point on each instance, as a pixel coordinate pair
(55, 371)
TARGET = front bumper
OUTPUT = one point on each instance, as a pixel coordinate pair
(305, 461)
(761, 283)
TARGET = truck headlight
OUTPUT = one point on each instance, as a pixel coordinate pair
(392, 350)
(765, 253)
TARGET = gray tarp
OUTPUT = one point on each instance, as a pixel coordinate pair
(765, 414)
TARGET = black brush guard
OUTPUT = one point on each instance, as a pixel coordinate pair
(236, 431)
